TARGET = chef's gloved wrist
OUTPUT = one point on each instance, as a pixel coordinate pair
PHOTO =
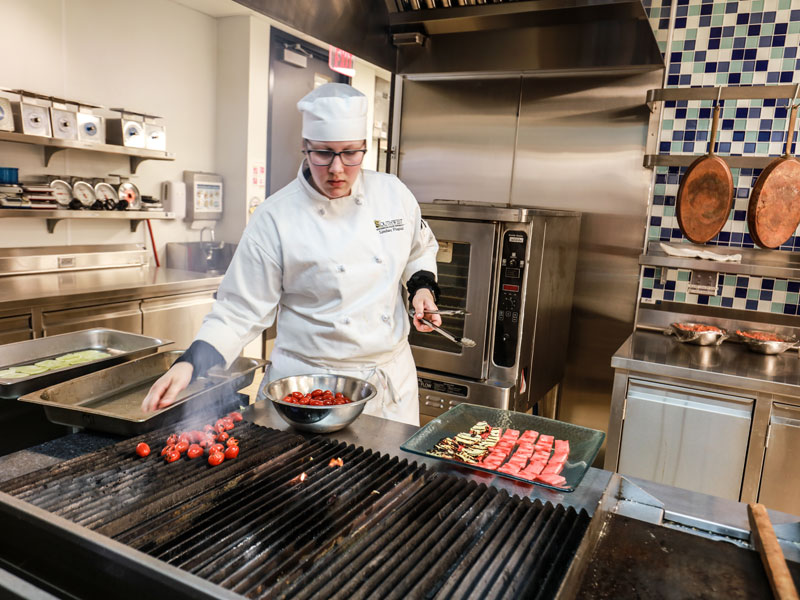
(202, 356)
(419, 280)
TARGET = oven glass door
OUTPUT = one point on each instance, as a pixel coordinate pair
(465, 273)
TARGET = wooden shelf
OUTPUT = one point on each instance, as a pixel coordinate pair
(53, 145)
(54, 216)
(755, 261)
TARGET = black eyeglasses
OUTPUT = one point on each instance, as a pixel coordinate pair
(325, 158)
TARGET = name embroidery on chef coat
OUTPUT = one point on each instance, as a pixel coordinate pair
(390, 225)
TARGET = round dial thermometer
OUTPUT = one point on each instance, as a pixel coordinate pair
(83, 193)
(62, 191)
(128, 191)
(106, 194)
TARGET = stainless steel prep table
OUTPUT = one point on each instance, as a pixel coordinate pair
(766, 387)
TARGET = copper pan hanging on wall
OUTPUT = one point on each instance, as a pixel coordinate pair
(774, 210)
(705, 196)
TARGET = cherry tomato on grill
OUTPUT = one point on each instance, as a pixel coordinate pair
(236, 416)
(172, 456)
(219, 426)
(216, 448)
(168, 448)
(172, 440)
(228, 422)
(142, 449)
(222, 437)
(194, 451)
(232, 442)
(231, 452)
(215, 458)
(208, 427)
(184, 437)
(182, 446)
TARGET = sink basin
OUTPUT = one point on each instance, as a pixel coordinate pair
(203, 257)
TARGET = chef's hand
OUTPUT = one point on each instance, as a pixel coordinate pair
(422, 303)
(167, 387)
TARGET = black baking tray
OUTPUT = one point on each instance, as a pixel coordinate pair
(120, 345)
(584, 443)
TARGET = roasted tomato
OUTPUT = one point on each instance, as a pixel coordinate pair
(168, 448)
(172, 440)
(194, 451)
(215, 458)
(182, 446)
(228, 422)
(231, 452)
(216, 448)
(232, 442)
(222, 437)
(236, 416)
(172, 456)
(184, 436)
(142, 449)
(208, 427)
(219, 426)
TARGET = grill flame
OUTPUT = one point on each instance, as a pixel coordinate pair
(299, 479)
(336, 462)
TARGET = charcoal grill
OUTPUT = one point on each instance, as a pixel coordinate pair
(377, 527)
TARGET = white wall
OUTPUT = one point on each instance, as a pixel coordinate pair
(152, 56)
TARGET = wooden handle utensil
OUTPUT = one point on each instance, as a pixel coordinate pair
(766, 542)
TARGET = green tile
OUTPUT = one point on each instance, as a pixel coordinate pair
(736, 66)
(788, 64)
(751, 42)
(669, 211)
(767, 28)
(677, 45)
(753, 294)
(699, 67)
(756, 102)
(740, 31)
(791, 297)
(694, 10)
(660, 189)
(667, 125)
(704, 125)
(715, 301)
(728, 112)
(722, 78)
(647, 283)
(691, 34)
(784, 4)
(719, 8)
(729, 280)
(780, 285)
(692, 113)
(726, 43)
(749, 136)
(757, 6)
(776, 53)
(683, 275)
(794, 27)
(762, 148)
(747, 78)
(778, 124)
(680, 296)
(654, 233)
(676, 147)
(717, 20)
(776, 307)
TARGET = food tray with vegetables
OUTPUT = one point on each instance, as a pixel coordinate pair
(519, 446)
(110, 400)
(699, 334)
(34, 364)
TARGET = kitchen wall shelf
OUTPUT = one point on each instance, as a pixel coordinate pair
(753, 92)
(54, 216)
(53, 145)
(755, 261)
(684, 160)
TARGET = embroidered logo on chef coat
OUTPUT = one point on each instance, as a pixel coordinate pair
(390, 225)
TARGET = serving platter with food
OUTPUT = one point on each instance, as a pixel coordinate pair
(519, 446)
(766, 342)
(699, 334)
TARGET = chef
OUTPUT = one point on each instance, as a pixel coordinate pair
(328, 256)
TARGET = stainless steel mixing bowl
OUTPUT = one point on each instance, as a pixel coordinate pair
(318, 419)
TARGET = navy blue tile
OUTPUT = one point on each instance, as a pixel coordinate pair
(742, 282)
(676, 233)
(790, 52)
(688, 146)
(664, 147)
(740, 293)
(724, 147)
(749, 147)
(766, 295)
(687, 79)
(711, 67)
(647, 293)
(649, 272)
(655, 221)
(735, 78)
(781, 112)
(750, 54)
(713, 44)
(675, 57)
(706, 10)
(663, 24)
(756, 17)
(705, 113)
(740, 215)
(778, 40)
(727, 302)
(680, 113)
(702, 300)
(677, 136)
(777, 136)
(793, 286)
(763, 136)
(786, 76)
(742, 19)
(769, 16)
(773, 77)
(789, 309)
(764, 41)
(751, 305)
(688, 44)
(770, 102)
(670, 285)
(781, 28)
(767, 284)
(752, 30)
(724, 236)
(737, 54)
(704, 21)
(680, 23)
(739, 42)
(738, 136)
(661, 178)
(673, 80)
(761, 65)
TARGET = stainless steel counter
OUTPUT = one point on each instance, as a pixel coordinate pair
(28, 291)
(730, 364)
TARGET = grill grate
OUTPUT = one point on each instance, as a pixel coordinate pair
(378, 527)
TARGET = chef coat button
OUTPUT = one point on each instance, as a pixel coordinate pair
(385, 318)
(358, 201)
(321, 211)
(340, 268)
(378, 259)
(346, 320)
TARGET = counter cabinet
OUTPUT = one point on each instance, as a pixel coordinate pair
(726, 441)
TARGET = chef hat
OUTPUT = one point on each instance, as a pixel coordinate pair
(334, 112)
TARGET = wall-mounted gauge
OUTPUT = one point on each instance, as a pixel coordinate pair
(84, 193)
(62, 192)
(106, 194)
(130, 193)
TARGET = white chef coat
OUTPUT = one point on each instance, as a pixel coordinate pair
(332, 270)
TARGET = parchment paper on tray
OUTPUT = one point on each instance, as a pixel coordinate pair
(684, 251)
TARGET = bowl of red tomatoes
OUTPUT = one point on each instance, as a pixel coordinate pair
(319, 403)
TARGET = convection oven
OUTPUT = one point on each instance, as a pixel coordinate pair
(512, 271)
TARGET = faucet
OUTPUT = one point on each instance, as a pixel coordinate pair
(207, 246)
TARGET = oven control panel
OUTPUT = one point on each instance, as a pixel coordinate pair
(509, 298)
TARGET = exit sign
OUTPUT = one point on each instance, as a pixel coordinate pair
(341, 61)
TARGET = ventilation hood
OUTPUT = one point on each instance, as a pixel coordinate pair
(464, 38)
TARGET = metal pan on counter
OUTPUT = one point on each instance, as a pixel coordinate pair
(110, 347)
(110, 400)
(766, 342)
(699, 334)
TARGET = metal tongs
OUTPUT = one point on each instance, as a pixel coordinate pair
(464, 342)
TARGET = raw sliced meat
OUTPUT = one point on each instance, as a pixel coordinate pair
(550, 479)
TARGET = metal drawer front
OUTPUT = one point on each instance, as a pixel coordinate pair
(780, 485)
(16, 329)
(121, 316)
(687, 438)
(176, 317)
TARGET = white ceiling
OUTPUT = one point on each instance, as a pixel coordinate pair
(217, 8)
